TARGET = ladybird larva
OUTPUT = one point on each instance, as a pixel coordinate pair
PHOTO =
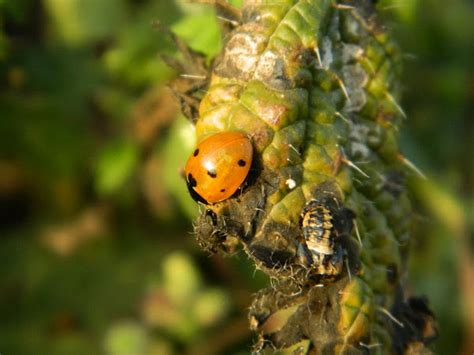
(320, 249)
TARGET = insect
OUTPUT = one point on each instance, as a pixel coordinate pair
(320, 249)
(218, 167)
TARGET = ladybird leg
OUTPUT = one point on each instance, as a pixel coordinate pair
(213, 235)
(212, 216)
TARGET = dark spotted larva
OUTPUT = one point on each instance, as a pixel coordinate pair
(320, 249)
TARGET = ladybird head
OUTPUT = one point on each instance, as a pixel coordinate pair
(218, 167)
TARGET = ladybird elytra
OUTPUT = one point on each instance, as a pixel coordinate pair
(218, 166)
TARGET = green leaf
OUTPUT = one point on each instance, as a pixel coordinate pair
(201, 32)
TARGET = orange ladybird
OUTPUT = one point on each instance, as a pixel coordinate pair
(218, 166)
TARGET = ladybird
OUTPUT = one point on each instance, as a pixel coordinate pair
(319, 248)
(218, 166)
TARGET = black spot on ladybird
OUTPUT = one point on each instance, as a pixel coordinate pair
(192, 181)
(222, 190)
(241, 162)
(212, 174)
(196, 152)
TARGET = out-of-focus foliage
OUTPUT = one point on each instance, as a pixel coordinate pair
(438, 136)
(95, 245)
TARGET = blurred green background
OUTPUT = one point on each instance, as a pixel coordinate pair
(96, 251)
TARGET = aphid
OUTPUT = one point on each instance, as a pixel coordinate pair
(218, 166)
(320, 249)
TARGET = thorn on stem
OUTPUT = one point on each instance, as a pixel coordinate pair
(411, 166)
(391, 316)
